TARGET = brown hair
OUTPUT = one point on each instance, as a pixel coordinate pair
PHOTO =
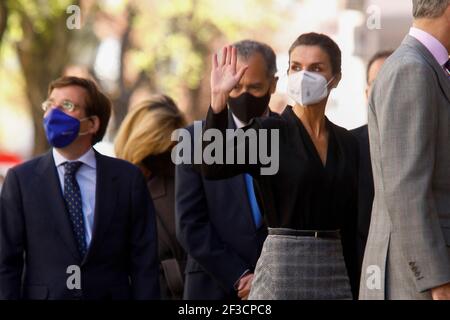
(325, 43)
(97, 103)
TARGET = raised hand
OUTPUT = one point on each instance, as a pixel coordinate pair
(224, 77)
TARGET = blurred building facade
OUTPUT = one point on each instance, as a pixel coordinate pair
(360, 28)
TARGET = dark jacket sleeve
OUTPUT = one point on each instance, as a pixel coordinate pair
(350, 226)
(144, 266)
(196, 233)
(12, 241)
(223, 170)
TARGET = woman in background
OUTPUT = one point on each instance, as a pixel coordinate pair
(144, 139)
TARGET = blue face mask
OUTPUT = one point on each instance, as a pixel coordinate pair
(61, 129)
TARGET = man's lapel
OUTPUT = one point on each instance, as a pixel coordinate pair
(53, 201)
(105, 202)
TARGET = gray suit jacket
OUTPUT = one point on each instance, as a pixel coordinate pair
(407, 251)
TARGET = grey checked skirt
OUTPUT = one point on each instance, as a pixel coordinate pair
(300, 268)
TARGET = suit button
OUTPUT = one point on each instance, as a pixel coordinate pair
(417, 274)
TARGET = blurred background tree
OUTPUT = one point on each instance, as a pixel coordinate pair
(39, 33)
(131, 48)
(165, 47)
(3, 19)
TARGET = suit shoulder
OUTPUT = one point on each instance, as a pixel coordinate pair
(345, 135)
(29, 165)
(340, 130)
(360, 132)
(191, 127)
(118, 164)
(405, 58)
(273, 121)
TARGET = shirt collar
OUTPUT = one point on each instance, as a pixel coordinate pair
(88, 158)
(239, 124)
(433, 45)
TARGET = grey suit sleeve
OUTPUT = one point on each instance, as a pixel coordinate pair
(407, 112)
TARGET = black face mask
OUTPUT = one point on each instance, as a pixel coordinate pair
(247, 106)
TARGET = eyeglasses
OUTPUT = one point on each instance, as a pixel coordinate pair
(66, 105)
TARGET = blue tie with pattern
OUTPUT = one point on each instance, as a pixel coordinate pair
(257, 218)
(72, 196)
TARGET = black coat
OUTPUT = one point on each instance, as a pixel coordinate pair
(37, 242)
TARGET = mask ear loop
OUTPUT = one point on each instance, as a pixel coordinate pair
(331, 80)
(84, 133)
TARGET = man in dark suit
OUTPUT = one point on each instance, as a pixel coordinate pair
(366, 190)
(223, 235)
(75, 224)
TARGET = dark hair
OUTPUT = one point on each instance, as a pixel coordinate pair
(325, 43)
(247, 48)
(379, 55)
(97, 103)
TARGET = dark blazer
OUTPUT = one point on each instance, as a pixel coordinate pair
(215, 226)
(365, 189)
(171, 255)
(37, 244)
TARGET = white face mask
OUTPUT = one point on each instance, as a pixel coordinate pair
(307, 88)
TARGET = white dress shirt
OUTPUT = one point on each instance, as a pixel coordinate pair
(87, 180)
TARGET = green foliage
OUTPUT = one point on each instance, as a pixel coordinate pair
(40, 14)
(170, 40)
(175, 38)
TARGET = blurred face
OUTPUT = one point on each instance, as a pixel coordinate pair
(372, 75)
(255, 80)
(312, 59)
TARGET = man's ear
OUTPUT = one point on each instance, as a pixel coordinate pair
(447, 13)
(273, 85)
(94, 124)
